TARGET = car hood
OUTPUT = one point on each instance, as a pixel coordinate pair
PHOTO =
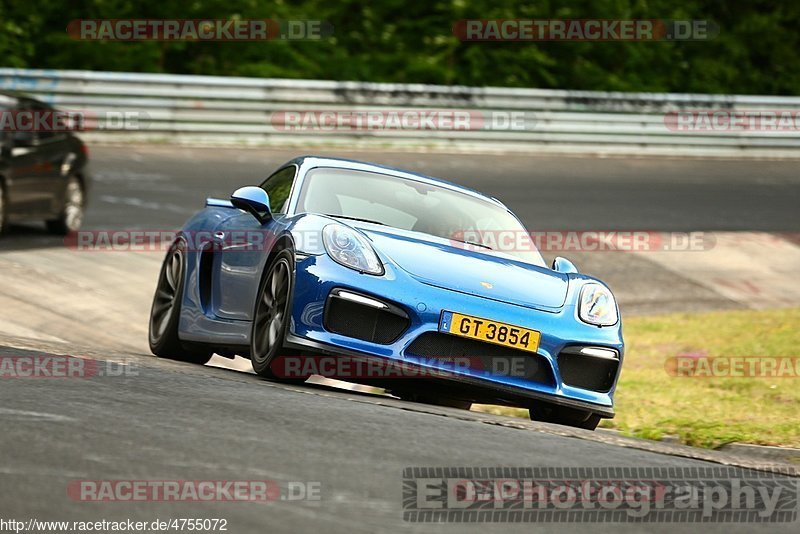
(438, 262)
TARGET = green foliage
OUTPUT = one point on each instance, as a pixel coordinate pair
(413, 42)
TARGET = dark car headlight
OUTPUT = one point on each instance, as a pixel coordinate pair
(597, 305)
(351, 249)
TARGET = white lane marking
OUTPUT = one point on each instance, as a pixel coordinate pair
(128, 176)
(146, 204)
(8, 413)
(16, 330)
(33, 471)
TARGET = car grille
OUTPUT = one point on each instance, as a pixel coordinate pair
(363, 322)
(587, 372)
(481, 356)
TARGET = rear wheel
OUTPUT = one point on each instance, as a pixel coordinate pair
(3, 209)
(271, 314)
(71, 216)
(165, 312)
(561, 415)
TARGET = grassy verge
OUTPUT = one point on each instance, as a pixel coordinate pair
(702, 411)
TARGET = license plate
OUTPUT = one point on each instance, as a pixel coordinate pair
(489, 331)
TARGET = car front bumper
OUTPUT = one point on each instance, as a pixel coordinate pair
(318, 276)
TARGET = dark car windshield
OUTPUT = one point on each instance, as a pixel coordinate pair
(415, 206)
(6, 105)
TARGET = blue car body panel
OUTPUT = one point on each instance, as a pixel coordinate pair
(424, 277)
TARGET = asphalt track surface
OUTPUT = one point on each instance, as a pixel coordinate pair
(552, 193)
(164, 420)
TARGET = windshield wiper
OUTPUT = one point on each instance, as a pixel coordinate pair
(471, 243)
(355, 219)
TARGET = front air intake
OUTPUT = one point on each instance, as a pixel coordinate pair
(581, 369)
(361, 317)
(481, 356)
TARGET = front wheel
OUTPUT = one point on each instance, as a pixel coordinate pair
(3, 212)
(71, 216)
(561, 415)
(271, 314)
(166, 310)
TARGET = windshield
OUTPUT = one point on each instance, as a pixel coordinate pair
(411, 205)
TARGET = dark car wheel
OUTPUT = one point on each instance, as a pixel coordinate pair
(561, 415)
(165, 312)
(3, 212)
(71, 216)
(271, 314)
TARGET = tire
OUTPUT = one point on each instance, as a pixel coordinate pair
(72, 213)
(3, 207)
(561, 415)
(434, 400)
(271, 314)
(165, 311)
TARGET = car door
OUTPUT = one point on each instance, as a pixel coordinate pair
(27, 179)
(54, 157)
(243, 243)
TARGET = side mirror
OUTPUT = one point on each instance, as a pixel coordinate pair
(253, 200)
(563, 265)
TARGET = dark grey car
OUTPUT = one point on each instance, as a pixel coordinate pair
(43, 171)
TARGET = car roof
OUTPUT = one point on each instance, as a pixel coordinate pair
(309, 162)
(12, 98)
(8, 99)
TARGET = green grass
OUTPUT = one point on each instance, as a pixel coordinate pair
(706, 412)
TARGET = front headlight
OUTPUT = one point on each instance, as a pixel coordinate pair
(597, 305)
(351, 249)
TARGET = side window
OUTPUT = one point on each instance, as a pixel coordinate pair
(46, 133)
(23, 138)
(278, 186)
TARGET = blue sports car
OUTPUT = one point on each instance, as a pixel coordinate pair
(338, 259)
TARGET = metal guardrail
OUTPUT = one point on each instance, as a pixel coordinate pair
(227, 110)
